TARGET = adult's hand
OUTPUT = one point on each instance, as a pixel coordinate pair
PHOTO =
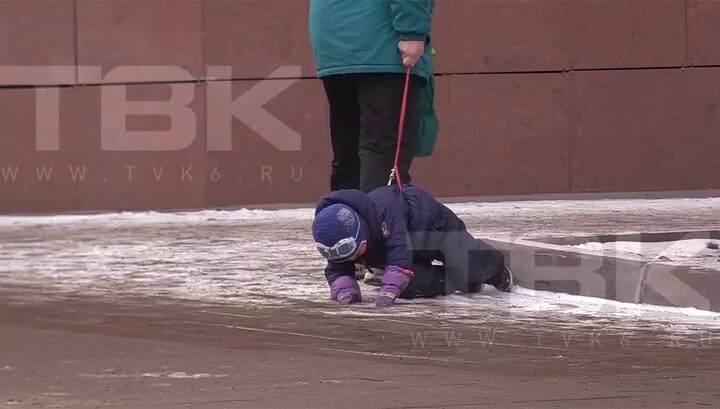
(411, 51)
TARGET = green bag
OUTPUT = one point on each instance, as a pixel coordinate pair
(428, 123)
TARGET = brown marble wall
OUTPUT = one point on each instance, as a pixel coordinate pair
(136, 101)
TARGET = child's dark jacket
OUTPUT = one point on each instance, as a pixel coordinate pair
(391, 215)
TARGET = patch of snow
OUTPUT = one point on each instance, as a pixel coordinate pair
(470, 209)
(692, 250)
(183, 375)
(552, 309)
(154, 218)
(170, 375)
(595, 305)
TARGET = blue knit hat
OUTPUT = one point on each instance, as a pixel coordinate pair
(339, 231)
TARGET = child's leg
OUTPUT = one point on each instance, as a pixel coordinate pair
(470, 262)
(491, 261)
(428, 281)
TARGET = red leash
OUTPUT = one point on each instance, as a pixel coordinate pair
(395, 172)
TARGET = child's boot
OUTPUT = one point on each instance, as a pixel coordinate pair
(505, 281)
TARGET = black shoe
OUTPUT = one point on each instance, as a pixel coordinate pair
(507, 282)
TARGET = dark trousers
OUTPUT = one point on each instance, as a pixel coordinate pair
(364, 120)
(467, 262)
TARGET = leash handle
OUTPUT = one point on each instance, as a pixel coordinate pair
(395, 172)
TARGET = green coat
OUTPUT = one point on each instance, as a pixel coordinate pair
(361, 36)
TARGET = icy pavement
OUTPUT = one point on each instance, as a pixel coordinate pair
(266, 258)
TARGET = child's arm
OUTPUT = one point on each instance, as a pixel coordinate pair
(397, 242)
(398, 251)
(343, 285)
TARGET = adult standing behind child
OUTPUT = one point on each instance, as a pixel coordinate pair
(362, 49)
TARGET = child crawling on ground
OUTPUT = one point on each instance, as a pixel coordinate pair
(402, 233)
